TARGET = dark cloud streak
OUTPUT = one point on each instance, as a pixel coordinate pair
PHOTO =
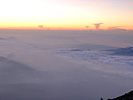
(97, 25)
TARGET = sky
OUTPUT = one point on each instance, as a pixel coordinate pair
(66, 14)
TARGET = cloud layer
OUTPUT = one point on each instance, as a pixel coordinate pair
(103, 60)
(62, 65)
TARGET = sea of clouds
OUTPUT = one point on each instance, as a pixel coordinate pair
(122, 65)
(63, 65)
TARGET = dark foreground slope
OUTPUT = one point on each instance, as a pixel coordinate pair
(127, 96)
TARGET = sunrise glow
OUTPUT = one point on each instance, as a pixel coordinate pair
(65, 14)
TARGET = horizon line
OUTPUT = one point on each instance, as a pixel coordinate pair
(37, 29)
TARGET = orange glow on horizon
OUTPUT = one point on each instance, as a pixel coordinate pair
(60, 28)
(65, 15)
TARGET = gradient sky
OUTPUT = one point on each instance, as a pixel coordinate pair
(66, 14)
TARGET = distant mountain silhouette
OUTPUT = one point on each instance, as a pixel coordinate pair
(127, 96)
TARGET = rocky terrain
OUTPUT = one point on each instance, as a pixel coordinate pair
(127, 96)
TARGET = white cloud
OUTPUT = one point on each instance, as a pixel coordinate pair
(105, 62)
